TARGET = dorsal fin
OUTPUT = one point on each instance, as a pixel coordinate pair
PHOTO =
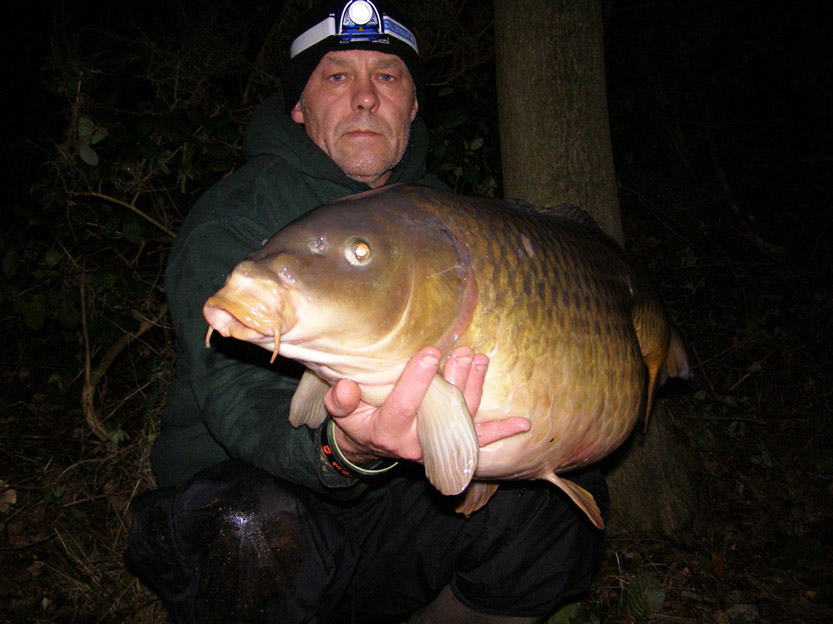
(562, 211)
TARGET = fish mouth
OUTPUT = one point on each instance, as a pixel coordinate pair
(242, 320)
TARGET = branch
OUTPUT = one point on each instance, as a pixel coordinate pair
(131, 207)
(93, 376)
(88, 391)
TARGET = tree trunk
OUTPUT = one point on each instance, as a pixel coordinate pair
(651, 479)
(552, 106)
(555, 148)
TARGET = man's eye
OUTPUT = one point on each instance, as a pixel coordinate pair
(386, 78)
(337, 77)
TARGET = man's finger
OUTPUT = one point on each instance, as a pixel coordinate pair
(343, 398)
(467, 371)
(457, 366)
(401, 405)
(494, 430)
(473, 390)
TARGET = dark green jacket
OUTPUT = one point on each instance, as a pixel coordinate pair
(227, 401)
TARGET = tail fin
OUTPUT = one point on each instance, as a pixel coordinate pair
(676, 361)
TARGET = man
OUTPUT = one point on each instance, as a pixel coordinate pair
(254, 521)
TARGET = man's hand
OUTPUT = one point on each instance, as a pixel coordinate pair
(366, 433)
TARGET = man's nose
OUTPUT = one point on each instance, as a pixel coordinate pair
(365, 96)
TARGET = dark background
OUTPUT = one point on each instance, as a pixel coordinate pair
(721, 127)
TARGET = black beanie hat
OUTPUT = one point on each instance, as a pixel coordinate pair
(315, 35)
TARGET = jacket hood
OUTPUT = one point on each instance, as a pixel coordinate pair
(272, 132)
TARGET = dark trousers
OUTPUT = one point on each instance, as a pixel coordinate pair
(234, 544)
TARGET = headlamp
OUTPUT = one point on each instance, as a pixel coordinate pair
(359, 20)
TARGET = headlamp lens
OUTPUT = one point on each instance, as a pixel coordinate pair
(360, 12)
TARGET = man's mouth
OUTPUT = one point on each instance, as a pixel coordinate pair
(359, 134)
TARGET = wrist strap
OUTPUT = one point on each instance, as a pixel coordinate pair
(343, 465)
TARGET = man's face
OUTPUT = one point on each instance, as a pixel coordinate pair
(358, 106)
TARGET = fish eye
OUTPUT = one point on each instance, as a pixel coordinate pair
(358, 252)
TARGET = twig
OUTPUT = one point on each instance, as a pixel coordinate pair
(88, 391)
(93, 377)
(25, 546)
(131, 207)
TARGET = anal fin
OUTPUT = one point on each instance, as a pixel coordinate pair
(476, 496)
(580, 497)
(307, 406)
(447, 436)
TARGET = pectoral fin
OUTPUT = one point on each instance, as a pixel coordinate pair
(448, 438)
(307, 407)
(580, 497)
(476, 495)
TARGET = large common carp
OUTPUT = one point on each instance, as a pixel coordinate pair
(576, 336)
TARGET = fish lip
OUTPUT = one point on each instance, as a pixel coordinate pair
(252, 306)
(228, 322)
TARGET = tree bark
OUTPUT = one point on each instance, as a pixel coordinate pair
(652, 479)
(556, 148)
(552, 106)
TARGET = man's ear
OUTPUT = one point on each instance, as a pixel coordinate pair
(414, 110)
(297, 114)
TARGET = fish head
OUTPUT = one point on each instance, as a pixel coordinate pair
(369, 279)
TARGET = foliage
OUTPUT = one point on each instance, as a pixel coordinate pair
(147, 106)
(460, 154)
(644, 597)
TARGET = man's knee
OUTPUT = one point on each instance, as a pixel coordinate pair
(540, 551)
(234, 544)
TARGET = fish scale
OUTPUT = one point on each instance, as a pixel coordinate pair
(531, 303)
(575, 334)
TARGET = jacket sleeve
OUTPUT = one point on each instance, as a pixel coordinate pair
(243, 400)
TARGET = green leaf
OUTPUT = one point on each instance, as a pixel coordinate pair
(53, 257)
(149, 150)
(454, 118)
(111, 224)
(67, 315)
(565, 614)
(132, 231)
(645, 596)
(102, 281)
(119, 436)
(86, 127)
(32, 310)
(88, 155)
(99, 135)
(11, 264)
